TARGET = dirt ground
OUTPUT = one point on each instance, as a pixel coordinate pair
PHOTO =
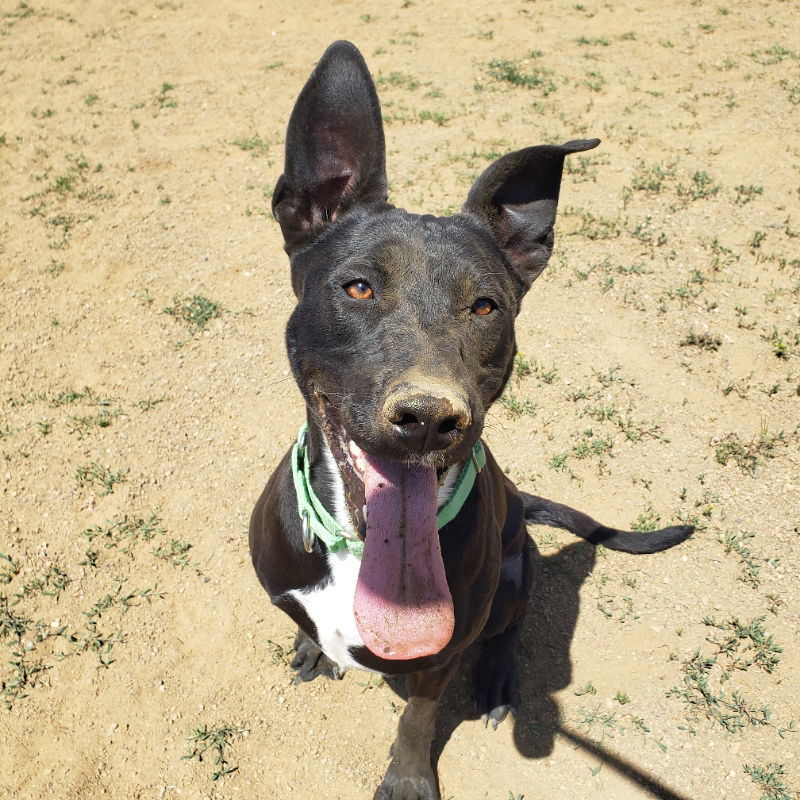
(145, 393)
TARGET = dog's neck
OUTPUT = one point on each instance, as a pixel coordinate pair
(328, 485)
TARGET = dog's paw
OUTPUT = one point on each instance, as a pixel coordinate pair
(418, 787)
(310, 662)
(496, 687)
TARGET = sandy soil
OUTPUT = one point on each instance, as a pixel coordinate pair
(139, 146)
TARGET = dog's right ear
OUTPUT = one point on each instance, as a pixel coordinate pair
(335, 152)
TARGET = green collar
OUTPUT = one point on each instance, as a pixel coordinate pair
(318, 522)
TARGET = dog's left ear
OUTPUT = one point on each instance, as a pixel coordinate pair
(335, 151)
(518, 196)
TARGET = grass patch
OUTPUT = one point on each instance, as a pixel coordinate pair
(769, 780)
(511, 72)
(739, 543)
(218, 740)
(94, 474)
(748, 455)
(740, 647)
(195, 311)
(703, 341)
(255, 145)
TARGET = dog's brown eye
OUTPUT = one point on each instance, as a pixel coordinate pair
(483, 306)
(359, 290)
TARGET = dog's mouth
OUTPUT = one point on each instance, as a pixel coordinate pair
(402, 605)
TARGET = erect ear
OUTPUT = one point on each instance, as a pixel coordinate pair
(518, 196)
(335, 153)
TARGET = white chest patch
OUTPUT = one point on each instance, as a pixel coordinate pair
(331, 609)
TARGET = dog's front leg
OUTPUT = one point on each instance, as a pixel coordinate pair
(410, 775)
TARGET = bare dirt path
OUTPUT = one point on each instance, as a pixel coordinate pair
(139, 144)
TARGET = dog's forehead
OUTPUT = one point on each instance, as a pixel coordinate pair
(427, 245)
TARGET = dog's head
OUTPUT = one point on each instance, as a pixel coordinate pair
(403, 334)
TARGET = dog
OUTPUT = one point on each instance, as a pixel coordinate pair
(388, 532)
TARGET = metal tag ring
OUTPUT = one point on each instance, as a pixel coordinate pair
(308, 534)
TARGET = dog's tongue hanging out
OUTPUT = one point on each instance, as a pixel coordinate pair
(402, 605)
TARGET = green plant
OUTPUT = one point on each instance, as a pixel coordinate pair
(704, 675)
(255, 145)
(434, 116)
(704, 341)
(510, 72)
(82, 425)
(8, 570)
(748, 455)
(217, 740)
(93, 474)
(648, 520)
(165, 98)
(702, 185)
(516, 406)
(126, 532)
(769, 779)
(737, 543)
(746, 645)
(196, 311)
(745, 194)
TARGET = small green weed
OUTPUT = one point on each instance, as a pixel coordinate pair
(769, 779)
(600, 725)
(745, 194)
(510, 72)
(93, 474)
(255, 145)
(82, 425)
(150, 403)
(51, 584)
(748, 455)
(778, 341)
(756, 240)
(738, 543)
(55, 268)
(592, 226)
(599, 41)
(196, 311)
(175, 552)
(217, 740)
(9, 569)
(399, 80)
(434, 116)
(774, 55)
(516, 406)
(588, 445)
(745, 645)
(652, 178)
(704, 341)
(648, 520)
(125, 532)
(165, 98)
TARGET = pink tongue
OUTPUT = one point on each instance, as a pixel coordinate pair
(402, 605)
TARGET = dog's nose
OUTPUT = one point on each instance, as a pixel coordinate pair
(426, 420)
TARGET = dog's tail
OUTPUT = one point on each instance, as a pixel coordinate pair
(540, 511)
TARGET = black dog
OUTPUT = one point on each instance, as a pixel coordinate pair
(388, 533)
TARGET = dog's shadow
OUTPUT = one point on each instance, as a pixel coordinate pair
(543, 659)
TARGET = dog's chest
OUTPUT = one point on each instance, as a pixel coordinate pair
(330, 608)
